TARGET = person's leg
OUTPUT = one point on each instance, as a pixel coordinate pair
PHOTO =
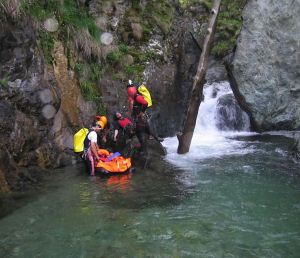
(90, 159)
(142, 139)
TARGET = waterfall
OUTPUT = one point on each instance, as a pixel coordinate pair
(219, 120)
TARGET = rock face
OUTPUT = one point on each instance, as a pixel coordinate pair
(39, 108)
(265, 70)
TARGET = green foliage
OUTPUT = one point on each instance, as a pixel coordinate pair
(67, 13)
(207, 4)
(46, 43)
(123, 48)
(70, 15)
(114, 56)
(221, 48)
(4, 82)
(89, 75)
(39, 9)
(88, 90)
(160, 13)
(134, 71)
(228, 26)
(96, 71)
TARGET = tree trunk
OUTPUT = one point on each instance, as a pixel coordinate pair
(196, 95)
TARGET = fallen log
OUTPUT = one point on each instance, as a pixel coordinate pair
(185, 138)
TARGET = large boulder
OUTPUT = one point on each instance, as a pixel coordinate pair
(265, 70)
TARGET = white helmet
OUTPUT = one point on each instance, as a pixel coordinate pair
(130, 82)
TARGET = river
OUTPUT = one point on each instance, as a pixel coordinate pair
(235, 194)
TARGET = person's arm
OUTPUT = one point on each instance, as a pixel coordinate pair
(116, 134)
(131, 100)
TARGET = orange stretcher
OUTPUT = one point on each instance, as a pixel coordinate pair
(110, 163)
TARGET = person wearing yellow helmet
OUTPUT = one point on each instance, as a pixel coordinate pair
(91, 147)
(103, 122)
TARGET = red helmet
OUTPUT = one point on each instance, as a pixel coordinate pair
(131, 91)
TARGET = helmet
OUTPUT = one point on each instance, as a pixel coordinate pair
(103, 119)
(129, 82)
(131, 91)
(101, 124)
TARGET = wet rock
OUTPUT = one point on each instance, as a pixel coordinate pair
(229, 115)
(46, 96)
(101, 23)
(216, 71)
(265, 70)
(137, 31)
(48, 111)
(295, 148)
(126, 60)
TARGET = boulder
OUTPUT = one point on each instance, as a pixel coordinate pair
(51, 24)
(106, 38)
(265, 69)
(137, 31)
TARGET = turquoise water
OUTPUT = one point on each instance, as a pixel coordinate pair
(244, 203)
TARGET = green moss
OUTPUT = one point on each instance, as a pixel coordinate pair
(4, 82)
(228, 26)
(160, 13)
(89, 75)
(123, 48)
(133, 70)
(114, 57)
(89, 91)
(39, 9)
(67, 13)
(46, 43)
(207, 4)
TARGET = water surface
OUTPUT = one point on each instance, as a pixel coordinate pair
(233, 195)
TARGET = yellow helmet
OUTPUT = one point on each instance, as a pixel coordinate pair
(101, 124)
(104, 120)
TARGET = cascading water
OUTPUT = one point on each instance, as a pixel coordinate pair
(208, 140)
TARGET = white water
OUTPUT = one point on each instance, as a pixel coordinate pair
(208, 141)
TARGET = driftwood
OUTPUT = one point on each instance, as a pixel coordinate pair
(196, 95)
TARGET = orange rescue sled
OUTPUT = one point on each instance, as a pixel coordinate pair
(118, 164)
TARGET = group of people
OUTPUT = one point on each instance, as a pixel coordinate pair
(116, 135)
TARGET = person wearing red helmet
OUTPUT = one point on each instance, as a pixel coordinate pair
(131, 92)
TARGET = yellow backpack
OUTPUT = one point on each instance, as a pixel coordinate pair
(79, 139)
(145, 93)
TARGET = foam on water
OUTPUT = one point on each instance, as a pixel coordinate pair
(208, 141)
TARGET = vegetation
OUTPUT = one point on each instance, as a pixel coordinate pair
(228, 26)
(46, 42)
(4, 82)
(78, 31)
(89, 75)
(66, 12)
